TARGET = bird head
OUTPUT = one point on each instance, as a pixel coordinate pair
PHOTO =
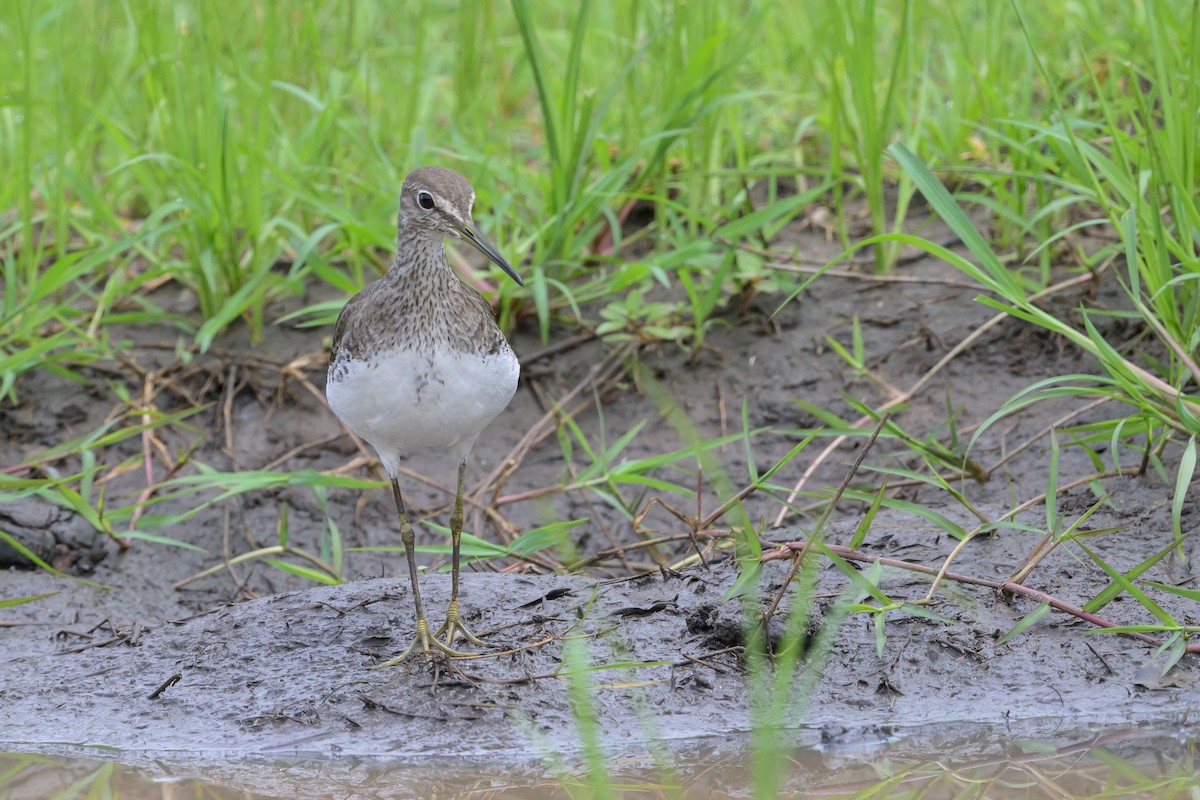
(439, 201)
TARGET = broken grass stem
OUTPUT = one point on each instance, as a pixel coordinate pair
(825, 514)
(790, 549)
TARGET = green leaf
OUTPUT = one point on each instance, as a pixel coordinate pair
(1052, 487)
(1113, 589)
(994, 274)
(928, 514)
(282, 525)
(771, 215)
(1025, 623)
(922, 611)
(1143, 629)
(155, 539)
(16, 601)
(319, 576)
(547, 536)
(864, 525)
(857, 578)
(748, 551)
(29, 554)
(1137, 594)
(1190, 594)
(1183, 479)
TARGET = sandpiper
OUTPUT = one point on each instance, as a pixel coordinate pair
(418, 366)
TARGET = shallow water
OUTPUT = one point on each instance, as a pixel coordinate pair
(1131, 762)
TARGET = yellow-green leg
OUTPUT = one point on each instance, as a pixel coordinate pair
(453, 625)
(423, 642)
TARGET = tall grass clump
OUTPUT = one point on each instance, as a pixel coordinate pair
(864, 95)
(259, 148)
(1130, 169)
(615, 135)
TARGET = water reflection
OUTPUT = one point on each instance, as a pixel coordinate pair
(1136, 762)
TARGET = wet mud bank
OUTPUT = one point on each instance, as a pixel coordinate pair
(291, 674)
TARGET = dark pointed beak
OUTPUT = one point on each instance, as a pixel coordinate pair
(473, 237)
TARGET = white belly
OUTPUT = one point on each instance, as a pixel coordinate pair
(413, 404)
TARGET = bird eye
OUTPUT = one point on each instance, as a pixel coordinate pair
(425, 199)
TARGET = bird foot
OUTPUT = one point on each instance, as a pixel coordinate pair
(426, 644)
(453, 626)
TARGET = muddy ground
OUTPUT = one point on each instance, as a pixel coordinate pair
(257, 661)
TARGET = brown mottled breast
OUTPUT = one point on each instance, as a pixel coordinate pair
(429, 311)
